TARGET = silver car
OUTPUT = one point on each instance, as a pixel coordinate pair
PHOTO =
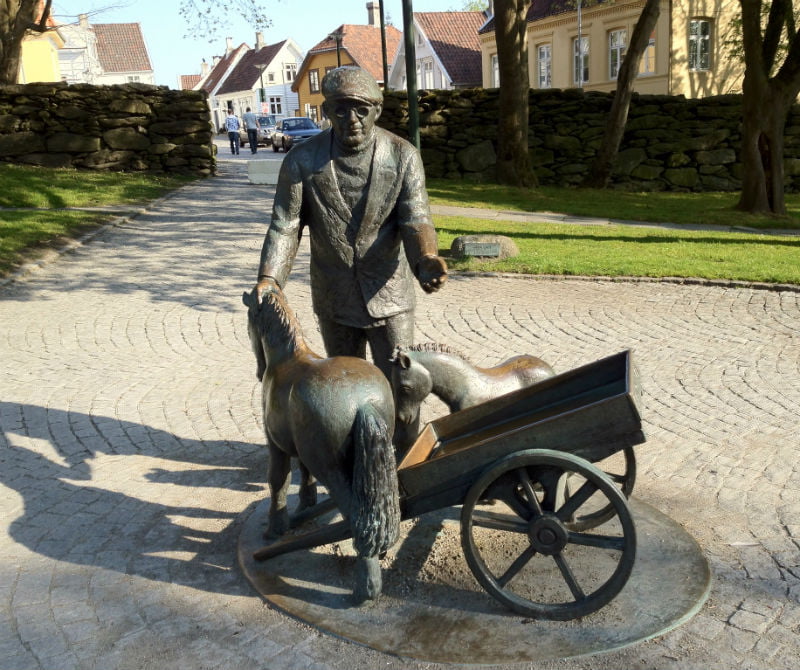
(292, 131)
(266, 128)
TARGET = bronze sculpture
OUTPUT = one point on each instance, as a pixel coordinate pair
(360, 192)
(336, 415)
(427, 368)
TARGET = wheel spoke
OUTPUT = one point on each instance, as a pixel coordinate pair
(616, 478)
(569, 578)
(568, 509)
(495, 521)
(599, 541)
(520, 562)
(530, 494)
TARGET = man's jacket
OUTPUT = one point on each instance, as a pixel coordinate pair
(362, 276)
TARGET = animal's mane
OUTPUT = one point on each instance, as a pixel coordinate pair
(278, 323)
(437, 348)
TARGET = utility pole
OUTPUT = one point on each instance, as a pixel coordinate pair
(411, 72)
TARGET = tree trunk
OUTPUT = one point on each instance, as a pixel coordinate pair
(16, 18)
(513, 158)
(600, 171)
(763, 122)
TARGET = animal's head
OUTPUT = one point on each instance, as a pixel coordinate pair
(411, 383)
(253, 307)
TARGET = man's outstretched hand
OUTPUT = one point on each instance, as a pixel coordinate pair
(432, 273)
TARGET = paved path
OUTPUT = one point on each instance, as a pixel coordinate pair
(130, 443)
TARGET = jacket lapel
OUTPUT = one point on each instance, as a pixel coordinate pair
(383, 175)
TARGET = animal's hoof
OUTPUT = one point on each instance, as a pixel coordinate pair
(278, 525)
(368, 580)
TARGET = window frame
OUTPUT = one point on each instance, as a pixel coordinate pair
(547, 62)
(275, 104)
(699, 45)
(616, 52)
(313, 81)
(647, 65)
(584, 42)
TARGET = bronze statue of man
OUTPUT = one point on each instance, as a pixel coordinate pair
(360, 192)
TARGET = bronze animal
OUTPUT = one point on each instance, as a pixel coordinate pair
(428, 368)
(336, 415)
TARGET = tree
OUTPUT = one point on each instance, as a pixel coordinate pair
(513, 158)
(768, 91)
(16, 20)
(600, 171)
(204, 18)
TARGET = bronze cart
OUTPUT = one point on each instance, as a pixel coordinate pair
(522, 468)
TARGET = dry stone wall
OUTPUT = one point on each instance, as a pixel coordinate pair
(125, 127)
(670, 143)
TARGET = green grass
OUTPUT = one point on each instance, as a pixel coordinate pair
(24, 235)
(683, 208)
(630, 251)
(26, 186)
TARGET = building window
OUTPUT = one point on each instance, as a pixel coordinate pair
(426, 81)
(311, 112)
(134, 78)
(699, 44)
(648, 63)
(313, 81)
(275, 106)
(495, 83)
(289, 71)
(580, 61)
(271, 77)
(617, 40)
(544, 66)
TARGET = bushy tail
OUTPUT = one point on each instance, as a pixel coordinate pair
(376, 503)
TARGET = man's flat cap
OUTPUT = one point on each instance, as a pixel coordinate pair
(351, 83)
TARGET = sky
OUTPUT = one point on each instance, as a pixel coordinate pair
(305, 21)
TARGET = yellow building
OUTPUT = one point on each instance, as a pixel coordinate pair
(347, 45)
(686, 54)
(39, 56)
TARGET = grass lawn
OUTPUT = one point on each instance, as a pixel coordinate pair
(24, 234)
(704, 208)
(630, 251)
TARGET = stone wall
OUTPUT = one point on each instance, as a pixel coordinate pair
(125, 127)
(670, 143)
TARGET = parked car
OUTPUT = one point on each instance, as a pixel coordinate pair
(293, 131)
(267, 127)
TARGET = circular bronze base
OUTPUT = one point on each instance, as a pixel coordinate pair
(433, 610)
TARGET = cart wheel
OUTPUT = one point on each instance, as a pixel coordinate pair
(620, 468)
(524, 551)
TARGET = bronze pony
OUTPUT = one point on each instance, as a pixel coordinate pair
(435, 368)
(336, 415)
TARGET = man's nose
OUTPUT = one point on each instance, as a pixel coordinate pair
(352, 116)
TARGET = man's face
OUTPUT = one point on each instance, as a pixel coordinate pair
(353, 121)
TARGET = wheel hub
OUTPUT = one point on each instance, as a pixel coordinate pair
(547, 534)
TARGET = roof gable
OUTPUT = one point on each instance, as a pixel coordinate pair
(121, 47)
(542, 9)
(218, 71)
(189, 81)
(454, 38)
(245, 74)
(363, 44)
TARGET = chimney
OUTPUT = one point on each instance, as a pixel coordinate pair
(373, 14)
(228, 45)
(204, 68)
(490, 9)
(259, 41)
(83, 20)
(215, 61)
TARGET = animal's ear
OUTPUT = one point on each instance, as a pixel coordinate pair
(247, 299)
(403, 360)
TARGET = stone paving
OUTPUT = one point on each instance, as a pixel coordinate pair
(131, 446)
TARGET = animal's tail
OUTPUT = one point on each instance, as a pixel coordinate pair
(376, 504)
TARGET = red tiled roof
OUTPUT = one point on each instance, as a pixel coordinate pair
(454, 38)
(219, 70)
(189, 81)
(121, 47)
(245, 73)
(542, 9)
(363, 44)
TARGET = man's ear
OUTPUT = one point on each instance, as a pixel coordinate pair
(378, 110)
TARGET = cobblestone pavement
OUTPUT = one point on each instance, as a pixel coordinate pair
(131, 443)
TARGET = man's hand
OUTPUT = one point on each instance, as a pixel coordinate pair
(431, 273)
(264, 285)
